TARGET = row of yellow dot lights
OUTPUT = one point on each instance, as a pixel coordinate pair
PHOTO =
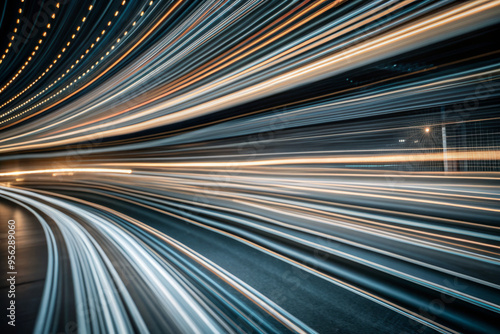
(27, 62)
(20, 11)
(53, 16)
(67, 71)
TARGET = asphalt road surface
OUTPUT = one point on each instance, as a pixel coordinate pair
(122, 259)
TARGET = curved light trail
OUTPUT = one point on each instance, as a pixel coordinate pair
(214, 166)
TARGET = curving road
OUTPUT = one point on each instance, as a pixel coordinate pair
(220, 166)
(324, 251)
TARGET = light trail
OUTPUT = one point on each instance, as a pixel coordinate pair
(414, 157)
(67, 170)
(217, 166)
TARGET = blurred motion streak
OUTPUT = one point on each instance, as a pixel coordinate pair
(252, 166)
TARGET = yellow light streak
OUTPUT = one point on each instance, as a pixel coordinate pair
(470, 155)
(68, 170)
